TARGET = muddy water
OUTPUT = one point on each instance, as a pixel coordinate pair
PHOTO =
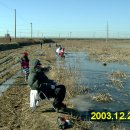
(8, 83)
(95, 76)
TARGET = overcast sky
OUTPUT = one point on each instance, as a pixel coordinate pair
(66, 18)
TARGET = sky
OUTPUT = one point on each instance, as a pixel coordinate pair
(65, 18)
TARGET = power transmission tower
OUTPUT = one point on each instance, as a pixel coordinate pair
(107, 33)
(15, 22)
(31, 30)
(70, 34)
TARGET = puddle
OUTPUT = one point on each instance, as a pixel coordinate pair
(8, 83)
(95, 76)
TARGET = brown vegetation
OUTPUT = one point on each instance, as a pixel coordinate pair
(14, 103)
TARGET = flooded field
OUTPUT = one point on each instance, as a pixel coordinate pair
(108, 86)
(96, 76)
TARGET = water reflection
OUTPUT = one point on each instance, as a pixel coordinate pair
(96, 76)
(8, 83)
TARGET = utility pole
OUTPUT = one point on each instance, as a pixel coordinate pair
(107, 33)
(70, 34)
(20, 34)
(118, 35)
(31, 30)
(15, 23)
(59, 35)
(94, 35)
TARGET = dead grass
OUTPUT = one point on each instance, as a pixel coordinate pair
(117, 79)
(14, 104)
(100, 50)
(102, 97)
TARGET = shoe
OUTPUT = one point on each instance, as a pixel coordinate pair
(33, 109)
(62, 105)
(62, 108)
(37, 103)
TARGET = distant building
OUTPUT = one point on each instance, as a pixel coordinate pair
(7, 35)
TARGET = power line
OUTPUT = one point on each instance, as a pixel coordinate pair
(6, 6)
(12, 9)
(107, 32)
(19, 16)
(15, 23)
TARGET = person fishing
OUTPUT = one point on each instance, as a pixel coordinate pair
(41, 43)
(41, 86)
(58, 50)
(25, 64)
(62, 52)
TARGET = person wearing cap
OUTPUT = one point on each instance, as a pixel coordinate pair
(25, 64)
(41, 86)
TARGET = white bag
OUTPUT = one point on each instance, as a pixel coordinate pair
(34, 98)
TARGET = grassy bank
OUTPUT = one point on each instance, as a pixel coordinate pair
(15, 113)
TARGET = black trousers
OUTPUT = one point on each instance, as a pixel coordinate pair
(58, 94)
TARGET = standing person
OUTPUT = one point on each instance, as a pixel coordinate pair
(56, 45)
(62, 52)
(25, 64)
(41, 43)
(58, 49)
(41, 85)
(10, 38)
(50, 45)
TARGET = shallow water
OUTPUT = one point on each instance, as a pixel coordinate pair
(95, 76)
(8, 83)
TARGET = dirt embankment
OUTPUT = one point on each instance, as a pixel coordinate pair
(15, 113)
(16, 45)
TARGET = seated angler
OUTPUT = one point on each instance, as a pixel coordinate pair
(41, 86)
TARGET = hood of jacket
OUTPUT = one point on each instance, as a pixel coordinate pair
(33, 66)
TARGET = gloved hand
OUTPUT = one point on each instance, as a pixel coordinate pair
(52, 86)
(49, 67)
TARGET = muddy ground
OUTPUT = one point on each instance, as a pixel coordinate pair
(15, 113)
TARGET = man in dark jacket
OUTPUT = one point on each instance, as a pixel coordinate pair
(39, 82)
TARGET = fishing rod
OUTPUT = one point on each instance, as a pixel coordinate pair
(13, 84)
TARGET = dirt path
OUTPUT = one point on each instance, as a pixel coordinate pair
(15, 113)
